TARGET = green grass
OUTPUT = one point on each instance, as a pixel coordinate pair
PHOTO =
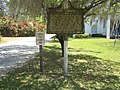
(1, 40)
(7, 39)
(94, 64)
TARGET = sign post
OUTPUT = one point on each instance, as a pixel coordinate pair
(65, 56)
(40, 40)
(41, 58)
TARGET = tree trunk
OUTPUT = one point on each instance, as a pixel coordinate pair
(61, 40)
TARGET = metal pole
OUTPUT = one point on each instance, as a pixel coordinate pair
(41, 58)
(65, 56)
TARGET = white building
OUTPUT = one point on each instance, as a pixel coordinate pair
(99, 26)
(3, 8)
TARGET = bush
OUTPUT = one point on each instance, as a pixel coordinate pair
(98, 35)
(4, 26)
(82, 36)
(9, 27)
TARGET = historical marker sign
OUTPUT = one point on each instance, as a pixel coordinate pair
(40, 38)
(65, 21)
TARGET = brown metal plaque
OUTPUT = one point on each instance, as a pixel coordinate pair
(63, 21)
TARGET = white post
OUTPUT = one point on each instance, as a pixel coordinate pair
(91, 28)
(108, 27)
(102, 26)
(99, 26)
(65, 58)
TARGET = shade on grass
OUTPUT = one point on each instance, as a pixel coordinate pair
(94, 64)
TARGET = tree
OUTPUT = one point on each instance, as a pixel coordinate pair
(35, 8)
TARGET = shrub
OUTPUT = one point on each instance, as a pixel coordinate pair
(9, 27)
(82, 36)
(98, 35)
(27, 28)
(4, 26)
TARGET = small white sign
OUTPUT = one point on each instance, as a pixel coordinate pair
(40, 38)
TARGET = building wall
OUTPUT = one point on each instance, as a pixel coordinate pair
(87, 27)
(3, 7)
(99, 26)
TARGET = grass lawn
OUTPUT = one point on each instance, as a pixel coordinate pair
(7, 39)
(1, 40)
(94, 64)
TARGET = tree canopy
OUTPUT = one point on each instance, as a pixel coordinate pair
(34, 8)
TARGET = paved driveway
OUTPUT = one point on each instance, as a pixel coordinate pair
(14, 53)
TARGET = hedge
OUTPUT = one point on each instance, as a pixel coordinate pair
(8, 27)
(82, 36)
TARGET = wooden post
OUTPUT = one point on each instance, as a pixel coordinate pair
(66, 56)
(41, 58)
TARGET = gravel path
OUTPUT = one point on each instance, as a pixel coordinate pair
(14, 53)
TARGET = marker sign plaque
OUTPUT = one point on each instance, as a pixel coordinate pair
(40, 38)
(63, 21)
